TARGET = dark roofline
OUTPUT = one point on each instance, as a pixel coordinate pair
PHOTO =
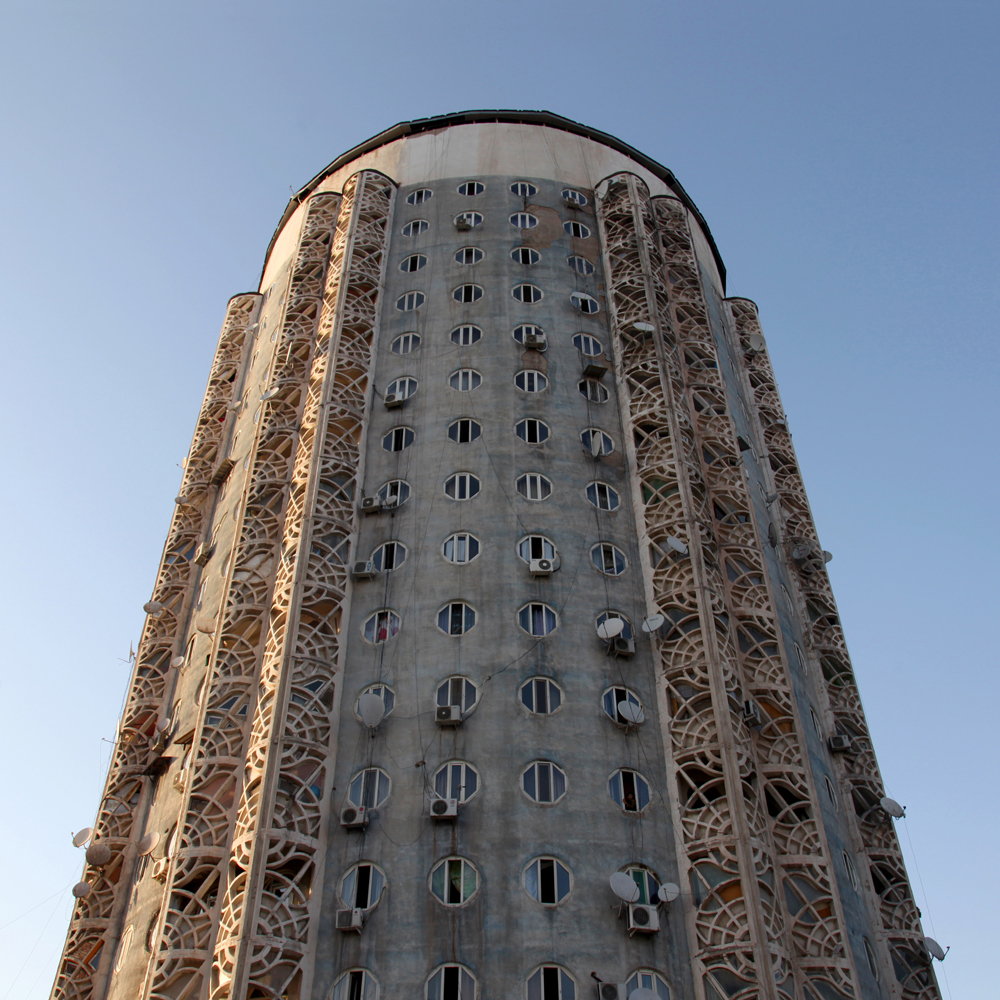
(509, 117)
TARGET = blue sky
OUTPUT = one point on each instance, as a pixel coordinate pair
(845, 156)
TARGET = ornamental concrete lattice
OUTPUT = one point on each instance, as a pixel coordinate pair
(492, 651)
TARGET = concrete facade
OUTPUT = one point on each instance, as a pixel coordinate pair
(227, 856)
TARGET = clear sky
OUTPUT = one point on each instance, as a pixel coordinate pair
(845, 156)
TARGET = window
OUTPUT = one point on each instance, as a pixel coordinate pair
(626, 632)
(357, 984)
(464, 430)
(646, 882)
(523, 189)
(537, 619)
(585, 303)
(394, 488)
(457, 779)
(535, 547)
(467, 293)
(551, 983)
(629, 790)
(575, 196)
(852, 872)
(469, 255)
(602, 496)
(454, 881)
(457, 691)
(647, 979)
(546, 880)
(410, 301)
(381, 691)
(416, 227)
(597, 442)
(525, 255)
(576, 229)
(533, 486)
(461, 486)
(593, 390)
(398, 438)
(361, 888)
(543, 782)
(830, 793)
(451, 982)
(814, 718)
(541, 696)
(616, 696)
(413, 263)
(579, 264)
(468, 220)
(402, 387)
(460, 548)
(527, 330)
(465, 380)
(381, 626)
(369, 788)
(389, 556)
(523, 220)
(608, 558)
(527, 293)
(532, 431)
(405, 343)
(530, 381)
(870, 956)
(471, 188)
(466, 336)
(419, 197)
(456, 618)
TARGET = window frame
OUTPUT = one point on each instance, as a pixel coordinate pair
(400, 483)
(596, 484)
(617, 774)
(474, 219)
(373, 616)
(467, 288)
(475, 334)
(380, 773)
(556, 864)
(401, 338)
(563, 978)
(526, 374)
(475, 430)
(542, 481)
(419, 197)
(342, 987)
(656, 975)
(553, 782)
(446, 880)
(402, 303)
(465, 250)
(463, 797)
(470, 478)
(589, 336)
(516, 218)
(351, 871)
(478, 188)
(402, 430)
(472, 374)
(397, 562)
(592, 387)
(370, 689)
(577, 230)
(615, 613)
(545, 608)
(523, 329)
(533, 256)
(416, 227)
(617, 555)
(518, 292)
(582, 265)
(571, 194)
(406, 380)
(467, 682)
(530, 193)
(469, 538)
(448, 609)
(579, 298)
(421, 261)
(531, 537)
(531, 685)
(542, 430)
(605, 437)
(463, 973)
(632, 697)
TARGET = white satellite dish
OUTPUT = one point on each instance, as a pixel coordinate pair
(827, 556)
(206, 625)
(757, 342)
(644, 328)
(631, 713)
(770, 498)
(162, 725)
(177, 662)
(610, 627)
(81, 890)
(371, 708)
(669, 892)
(653, 622)
(641, 993)
(152, 608)
(623, 886)
(181, 500)
(148, 843)
(678, 546)
(98, 854)
(892, 807)
(935, 949)
(271, 393)
(81, 838)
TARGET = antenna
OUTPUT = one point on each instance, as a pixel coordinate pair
(371, 708)
(892, 808)
(669, 892)
(631, 713)
(624, 887)
(610, 627)
(81, 838)
(653, 622)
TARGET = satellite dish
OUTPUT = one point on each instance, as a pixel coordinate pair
(757, 342)
(770, 498)
(669, 892)
(148, 843)
(800, 552)
(678, 546)
(162, 725)
(177, 662)
(624, 887)
(653, 622)
(610, 627)
(643, 994)
(935, 949)
(371, 708)
(892, 807)
(152, 608)
(644, 328)
(206, 625)
(181, 500)
(631, 713)
(98, 854)
(81, 838)
(81, 890)
(827, 556)
(271, 393)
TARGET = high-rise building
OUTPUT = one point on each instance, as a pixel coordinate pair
(492, 651)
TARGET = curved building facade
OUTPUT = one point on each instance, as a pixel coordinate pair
(492, 653)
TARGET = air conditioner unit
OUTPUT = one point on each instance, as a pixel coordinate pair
(448, 715)
(203, 553)
(462, 224)
(612, 991)
(535, 341)
(444, 809)
(350, 920)
(751, 713)
(354, 817)
(393, 400)
(363, 570)
(541, 567)
(571, 203)
(371, 505)
(839, 743)
(591, 370)
(642, 919)
(160, 867)
(620, 646)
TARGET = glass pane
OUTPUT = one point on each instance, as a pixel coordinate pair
(441, 779)
(468, 987)
(531, 880)
(558, 783)
(442, 696)
(555, 697)
(527, 696)
(468, 882)
(471, 782)
(434, 986)
(470, 688)
(437, 883)
(568, 989)
(347, 889)
(562, 882)
(535, 986)
(642, 791)
(614, 787)
(544, 788)
(529, 782)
